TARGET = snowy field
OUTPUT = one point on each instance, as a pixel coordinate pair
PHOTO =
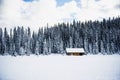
(52, 67)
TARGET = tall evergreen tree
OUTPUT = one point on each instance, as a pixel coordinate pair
(6, 42)
(1, 42)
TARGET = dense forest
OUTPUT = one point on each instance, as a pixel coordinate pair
(96, 37)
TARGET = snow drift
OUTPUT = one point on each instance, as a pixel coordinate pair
(88, 67)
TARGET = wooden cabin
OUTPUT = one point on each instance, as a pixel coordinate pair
(75, 51)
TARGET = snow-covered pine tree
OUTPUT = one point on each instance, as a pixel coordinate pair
(6, 42)
(40, 40)
(1, 42)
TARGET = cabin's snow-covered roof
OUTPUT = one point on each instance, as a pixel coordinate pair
(74, 50)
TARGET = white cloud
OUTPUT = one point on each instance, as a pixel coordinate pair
(96, 10)
(11, 9)
(10, 13)
(40, 12)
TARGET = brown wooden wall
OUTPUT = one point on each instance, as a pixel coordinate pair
(76, 54)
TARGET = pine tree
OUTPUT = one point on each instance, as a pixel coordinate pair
(11, 51)
(1, 42)
(6, 42)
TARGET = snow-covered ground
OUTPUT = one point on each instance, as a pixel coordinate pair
(90, 67)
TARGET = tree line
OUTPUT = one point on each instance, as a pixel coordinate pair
(94, 36)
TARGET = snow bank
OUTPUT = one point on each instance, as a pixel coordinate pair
(60, 67)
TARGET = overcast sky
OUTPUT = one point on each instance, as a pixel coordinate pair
(37, 13)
